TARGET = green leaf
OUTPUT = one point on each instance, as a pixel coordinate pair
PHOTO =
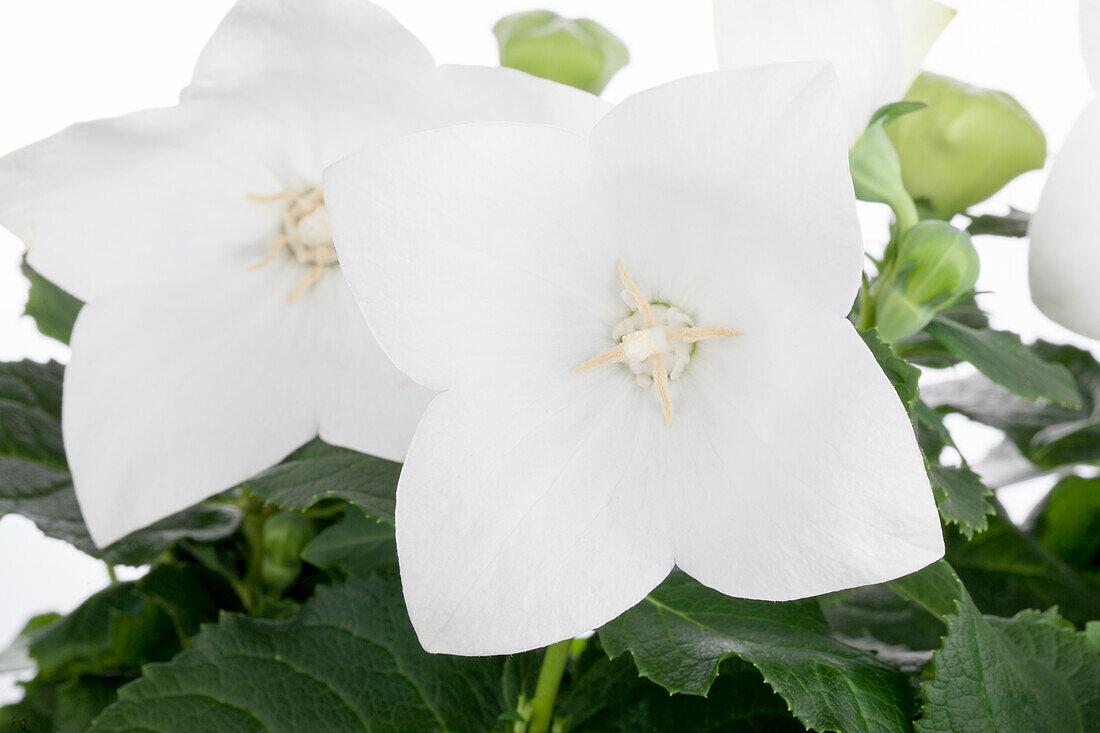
(903, 375)
(115, 630)
(318, 471)
(35, 481)
(923, 350)
(1002, 357)
(357, 545)
(67, 706)
(580, 53)
(1014, 225)
(1029, 673)
(348, 661)
(877, 612)
(1007, 570)
(1047, 434)
(54, 311)
(1069, 523)
(682, 631)
(937, 588)
(611, 698)
(16, 657)
(962, 498)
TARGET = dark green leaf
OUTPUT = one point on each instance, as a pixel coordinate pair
(317, 471)
(35, 481)
(348, 661)
(1025, 674)
(1069, 523)
(1047, 434)
(1015, 224)
(115, 630)
(936, 588)
(1002, 357)
(611, 698)
(16, 657)
(68, 706)
(54, 311)
(1007, 570)
(877, 613)
(923, 350)
(962, 498)
(357, 545)
(682, 631)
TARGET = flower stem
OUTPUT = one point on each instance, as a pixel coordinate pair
(111, 573)
(546, 690)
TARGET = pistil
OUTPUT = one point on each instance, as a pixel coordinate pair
(653, 341)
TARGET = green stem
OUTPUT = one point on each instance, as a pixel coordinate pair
(907, 215)
(111, 573)
(252, 526)
(546, 690)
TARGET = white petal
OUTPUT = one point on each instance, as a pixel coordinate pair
(477, 249)
(738, 175)
(529, 515)
(799, 471)
(1064, 260)
(1090, 33)
(877, 46)
(112, 202)
(282, 48)
(480, 93)
(171, 398)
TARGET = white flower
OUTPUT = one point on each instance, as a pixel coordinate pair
(544, 494)
(1064, 261)
(877, 46)
(198, 360)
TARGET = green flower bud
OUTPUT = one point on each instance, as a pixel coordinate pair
(580, 53)
(936, 264)
(967, 145)
(284, 536)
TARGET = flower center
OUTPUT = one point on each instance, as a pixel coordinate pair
(306, 233)
(656, 342)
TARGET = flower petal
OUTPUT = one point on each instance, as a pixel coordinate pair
(476, 250)
(738, 174)
(799, 471)
(279, 48)
(1090, 31)
(170, 398)
(877, 46)
(1064, 261)
(108, 203)
(526, 516)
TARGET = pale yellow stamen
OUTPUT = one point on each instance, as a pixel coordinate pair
(652, 342)
(316, 253)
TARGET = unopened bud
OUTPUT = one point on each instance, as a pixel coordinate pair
(580, 53)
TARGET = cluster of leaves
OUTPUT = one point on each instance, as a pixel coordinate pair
(237, 627)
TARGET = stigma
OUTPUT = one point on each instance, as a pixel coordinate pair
(655, 343)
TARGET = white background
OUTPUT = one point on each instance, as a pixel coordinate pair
(63, 61)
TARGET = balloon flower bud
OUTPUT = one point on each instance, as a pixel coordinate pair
(967, 145)
(284, 536)
(936, 264)
(580, 53)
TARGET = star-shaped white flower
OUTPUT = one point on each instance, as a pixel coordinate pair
(1064, 260)
(708, 229)
(877, 46)
(219, 334)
